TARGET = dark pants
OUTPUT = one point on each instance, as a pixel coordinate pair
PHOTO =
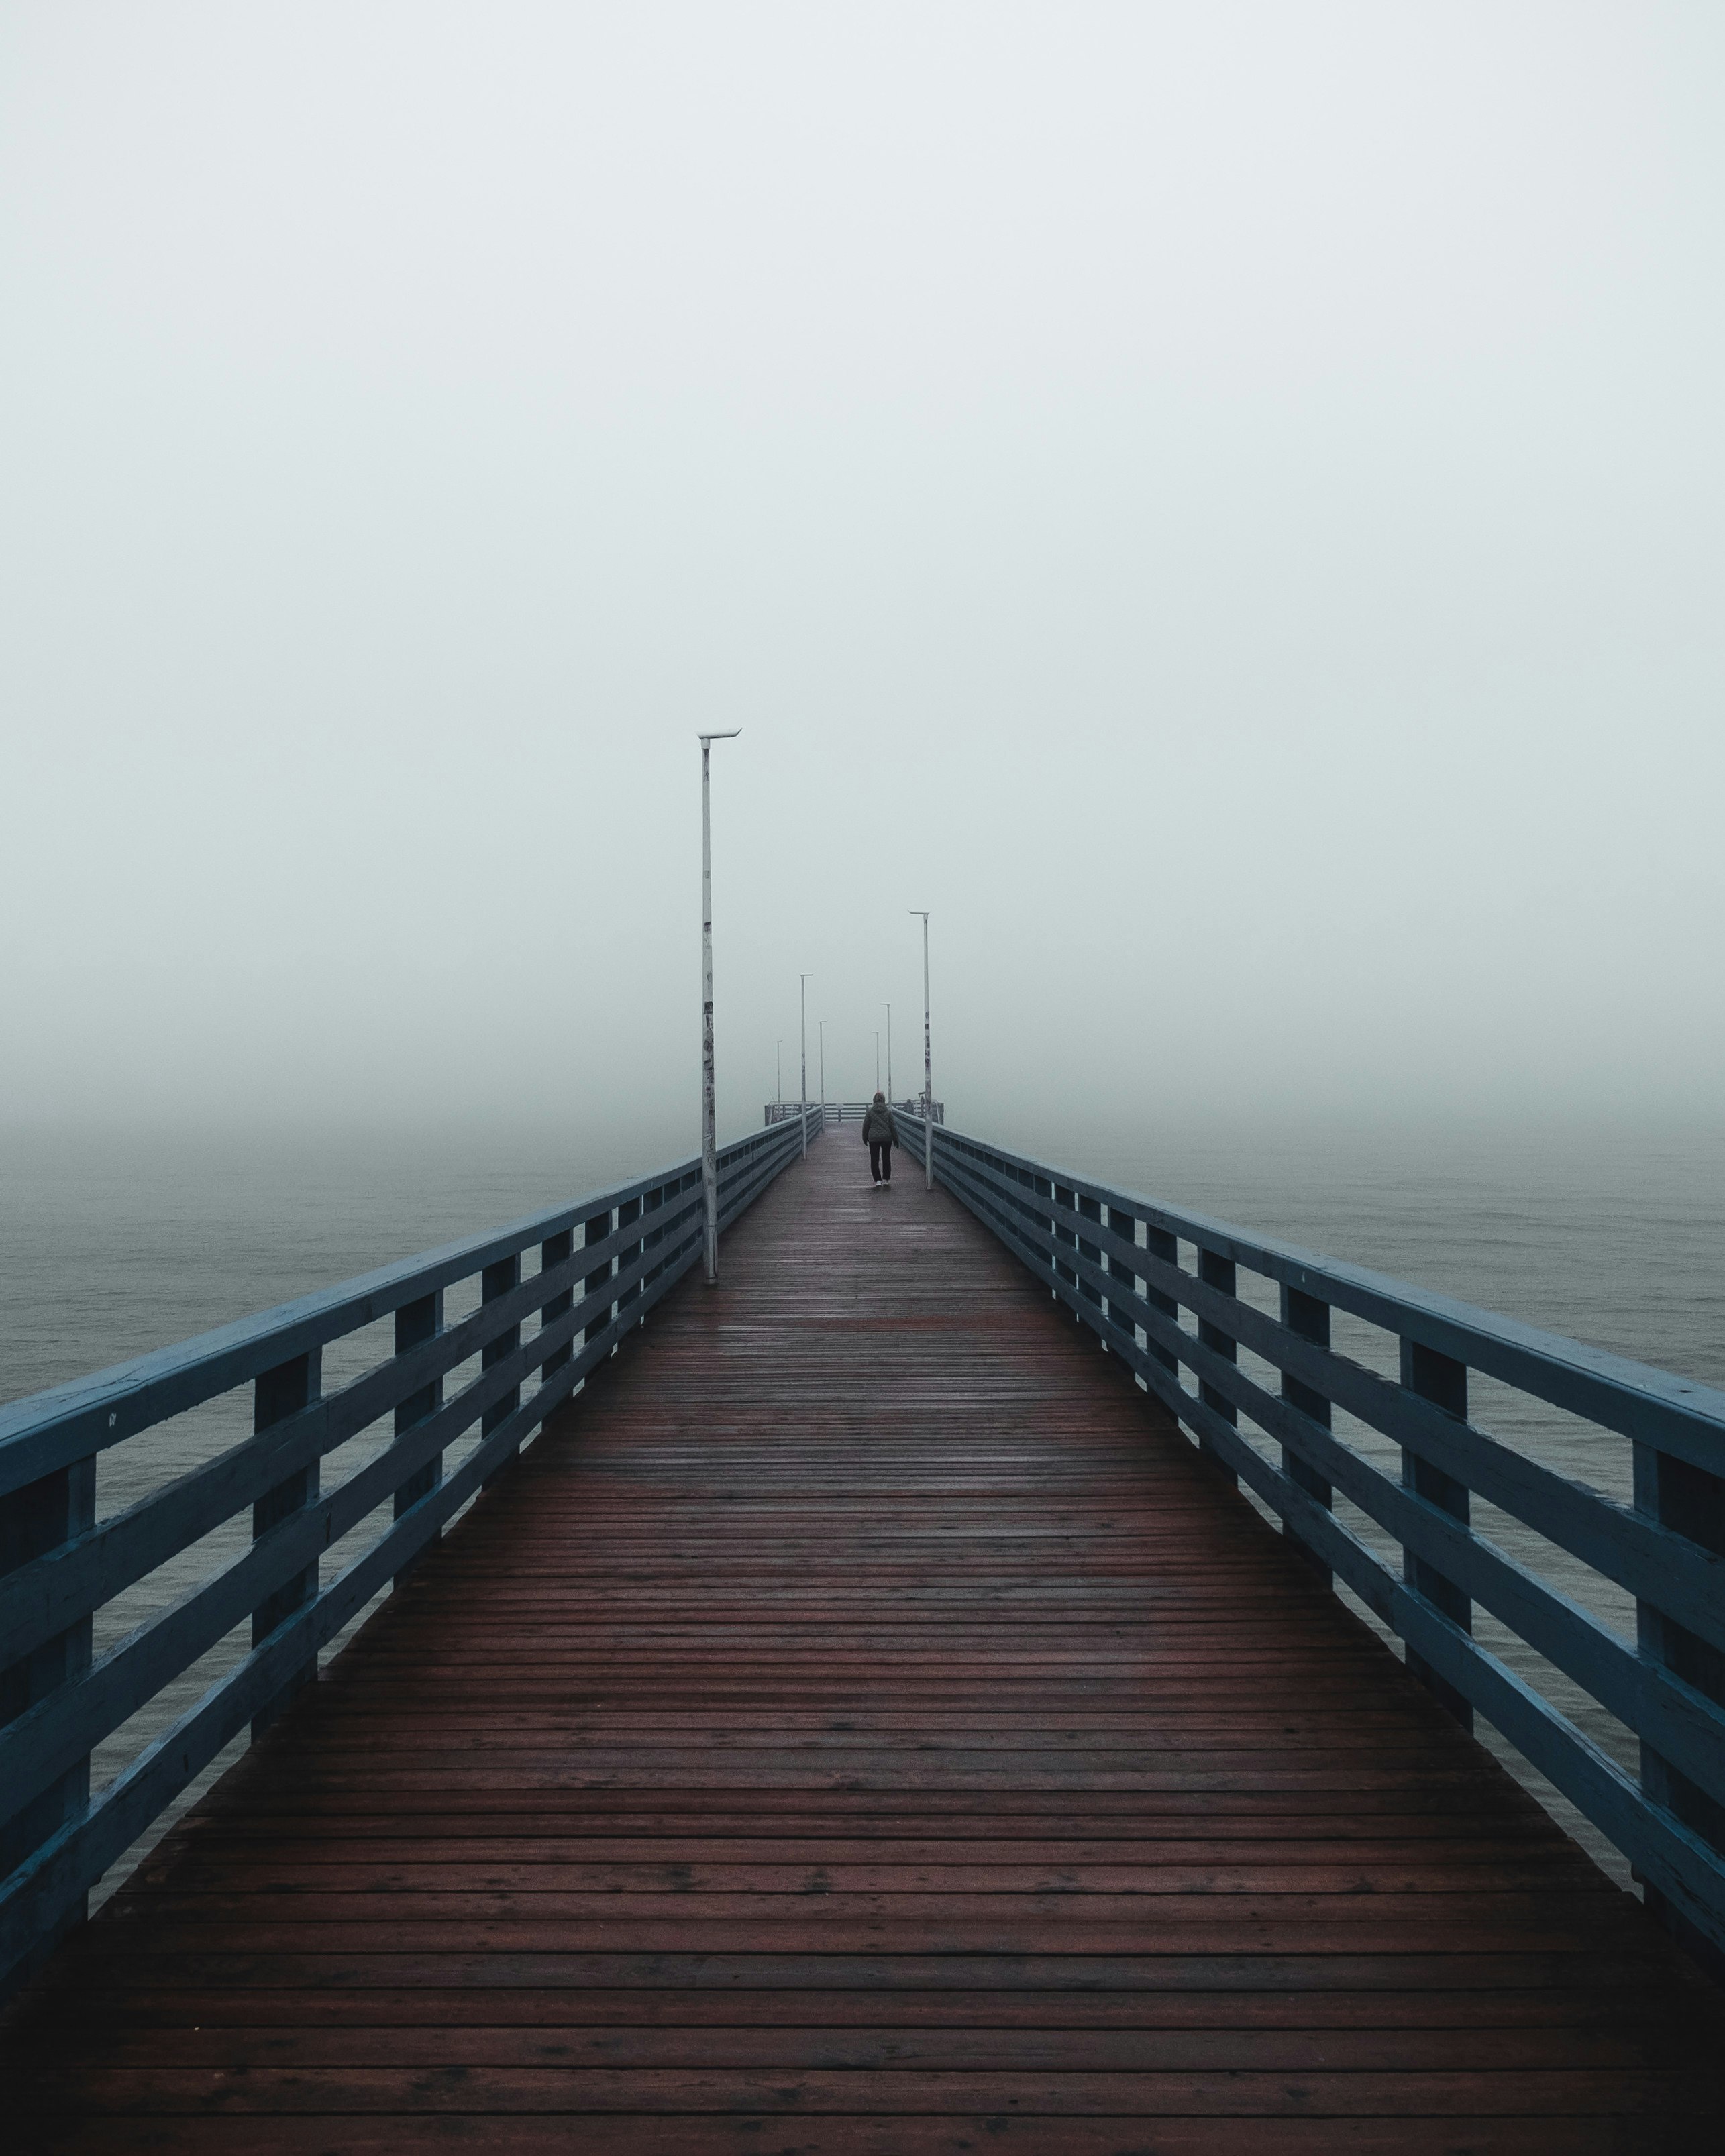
(880, 1160)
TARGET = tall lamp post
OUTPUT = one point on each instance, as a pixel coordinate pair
(887, 1008)
(820, 1036)
(927, 1063)
(708, 1122)
(803, 980)
(778, 1073)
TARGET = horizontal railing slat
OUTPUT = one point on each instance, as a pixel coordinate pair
(1678, 1415)
(42, 1597)
(1640, 1693)
(75, 1858)
(47, 1431)
(70, 1721)
(632, 1266)
(1061, 1227)
(1630, 1549)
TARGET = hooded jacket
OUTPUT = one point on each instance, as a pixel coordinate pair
(878, 1126)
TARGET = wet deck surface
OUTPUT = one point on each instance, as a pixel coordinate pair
(861, 1723)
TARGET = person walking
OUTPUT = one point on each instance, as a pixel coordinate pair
(879, 1135)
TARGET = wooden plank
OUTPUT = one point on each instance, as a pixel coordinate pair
(1574, 2012)
(142, 2094)
(694, 2134)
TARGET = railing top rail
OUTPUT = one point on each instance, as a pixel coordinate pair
(1181, 1330)
(1678, 1414)
(45, 1430)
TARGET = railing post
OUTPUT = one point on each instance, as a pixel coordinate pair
(1069, 1198)
(277, 1394)
(1306, 1316)
(1091, 1210)
(1045, 1190)
(595, 1231)
(626, 1215)
(1119, 1316)
(1443, 1381)
(652, 1202)
(1163, 1243)
(1691, 1502)
(1217, 1272)
(44, 1516)
(554, 1250)
(496, 1281)
(415, 1323)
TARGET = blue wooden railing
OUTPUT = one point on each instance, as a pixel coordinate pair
(842, 1111)
(1160, 1288)
(602, 1264)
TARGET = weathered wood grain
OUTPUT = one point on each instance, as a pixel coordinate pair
(863, 1724)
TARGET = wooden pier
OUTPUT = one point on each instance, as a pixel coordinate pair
(863, 1722)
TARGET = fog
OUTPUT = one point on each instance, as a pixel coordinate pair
(1221, 505)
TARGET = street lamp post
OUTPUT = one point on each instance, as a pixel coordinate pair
(805, 980)
(928, 1063)
(709, 1121)
(887, 1008)
(820, 1036)
(778, 1073)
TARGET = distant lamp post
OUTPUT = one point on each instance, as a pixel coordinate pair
(778, 1073)
(708, 1122)
(887, 1008)
(928, 1062)
(805, 980)
(820, 1036)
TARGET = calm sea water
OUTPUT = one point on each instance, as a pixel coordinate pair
(112, 1243)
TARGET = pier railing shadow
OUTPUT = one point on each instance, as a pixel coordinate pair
(604, 1262)
(1160, 1288)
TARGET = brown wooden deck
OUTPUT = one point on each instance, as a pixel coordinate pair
(862, 1725)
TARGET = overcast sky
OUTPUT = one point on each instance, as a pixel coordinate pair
(1223, 504)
